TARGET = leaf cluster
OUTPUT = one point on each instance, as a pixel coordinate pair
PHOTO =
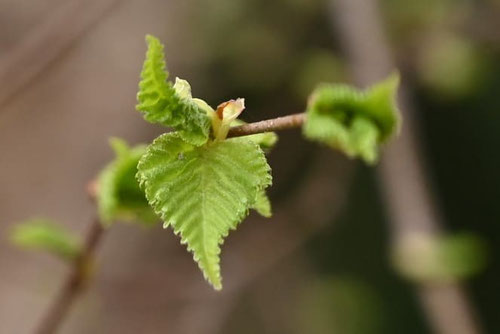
(198, 182)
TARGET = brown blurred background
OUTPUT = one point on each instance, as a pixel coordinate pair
(68, 78)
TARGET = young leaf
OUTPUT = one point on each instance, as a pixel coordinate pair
(203, 192)
(353, 121)
(119, 196)
(43, 234)
(161, 103)
(225, 115)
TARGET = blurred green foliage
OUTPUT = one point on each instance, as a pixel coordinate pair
(344, 305)
(45, 235)
(354, 121)
(441, 259)
(451, 66)
(119, 196)
(319, 65)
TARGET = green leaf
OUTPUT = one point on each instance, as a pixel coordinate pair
(161, 103)
(119, 196)
(355, 122)
(262, 204)
(43, 234)
(203, 192)
(266, 141)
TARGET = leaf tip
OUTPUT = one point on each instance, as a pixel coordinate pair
(151, 39)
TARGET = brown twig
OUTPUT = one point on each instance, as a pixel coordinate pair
(77, 279)
(275, 124)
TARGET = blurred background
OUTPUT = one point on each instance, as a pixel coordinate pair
(324, 263)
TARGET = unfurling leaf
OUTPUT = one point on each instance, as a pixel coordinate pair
(355, 122)
(161, 102)
(43, 234)
(225, 115)
(119, 196)
(203, 192)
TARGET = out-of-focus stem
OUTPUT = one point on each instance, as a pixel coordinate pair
(402, 173)
(76, 281)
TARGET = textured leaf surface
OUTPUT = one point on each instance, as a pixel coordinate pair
(161, 103)
(266, 141)
(119, 196)
(43, 234)
(203, 192)
(356, 122)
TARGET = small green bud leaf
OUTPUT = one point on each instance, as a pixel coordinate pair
(262, 204)
(119, 196)
(226, 113)
(182, 89)
(355, 122)
(43, 234)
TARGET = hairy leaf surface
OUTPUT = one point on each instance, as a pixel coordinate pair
(355, 122)
(203, 192)
(161, 103)
(119, 196)
(43, 234)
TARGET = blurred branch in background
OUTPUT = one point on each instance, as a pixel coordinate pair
(402, 172)
(74, 283)
(55, 34)
(43, 234)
